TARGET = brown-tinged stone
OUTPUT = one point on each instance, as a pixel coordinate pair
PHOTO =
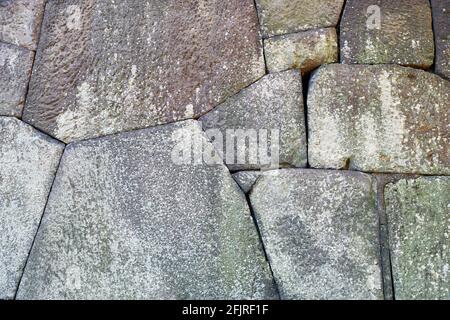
(304, 50)
(20, 22)
(441, 21)
(382, 118)
(15, 70)
(287, 16)
(382, 32)
(104, 67)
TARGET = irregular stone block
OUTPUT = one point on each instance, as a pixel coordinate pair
(441, 21)
(287, 16)
(320, 231)
(127, 221)
(383, 32)
(246, 179)
(382, 118)
(28, 163)
(418, 219)
(20, 22)
(15, 70)
(270, 114)
(99, 72)
(305, 50)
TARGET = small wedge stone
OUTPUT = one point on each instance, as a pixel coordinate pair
(441, 21)
(305, 50)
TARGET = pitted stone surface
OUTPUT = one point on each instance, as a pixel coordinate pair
(287, 16)
(246, 179)
(15, 70)
(125, 221)
(320, 232)
(275, 104)
(104, 67)
(441, 21)
(403, 36)
(418, 219)
(304, 50)
(28, 163)
(381, 118)
(20, 22)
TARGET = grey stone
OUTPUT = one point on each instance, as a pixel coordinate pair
(320, 231)
(104, 67)
(418, 219)
(20, 22)
(126, 221)
(305, 50)
(246, 179)
(382, 118)
(441, 21)
(28, 163)
(15, 70)
(403, 36)
(287, 16)
(275, 104)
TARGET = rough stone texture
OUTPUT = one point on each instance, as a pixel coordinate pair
(404, 36)
(15, 70)
(418, 218)
(441, 21)
(287, 16)
(98, 71)
(305, 50)
(246, 179)
(28, 162)
(124, 221)
(320, 231)
(379, 119)
(273, 103)
(20, 22)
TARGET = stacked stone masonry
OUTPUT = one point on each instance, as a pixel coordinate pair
(241, 149)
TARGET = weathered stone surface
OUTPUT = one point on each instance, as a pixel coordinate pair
(125, 221)
(305, 50)
(275, 104)
(441, 21)
(320, 231)
(28, 163)
(287, 16)
(20, 22)
(418, 219)
(98, 71)
(15, 70)
(246, 179)
(379, 119)
(403, 36)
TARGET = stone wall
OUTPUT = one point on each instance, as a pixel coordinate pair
(239, 149)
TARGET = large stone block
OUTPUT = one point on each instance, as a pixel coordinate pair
(441, 21)
(15, 70)
(383, 118)
(104, 67)
(320, 231)
(28, 163)
(382, 32)
(304, 50)
(287, 16)
(271, 117)
(20, 22)
(126, 221)
(418, 219)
